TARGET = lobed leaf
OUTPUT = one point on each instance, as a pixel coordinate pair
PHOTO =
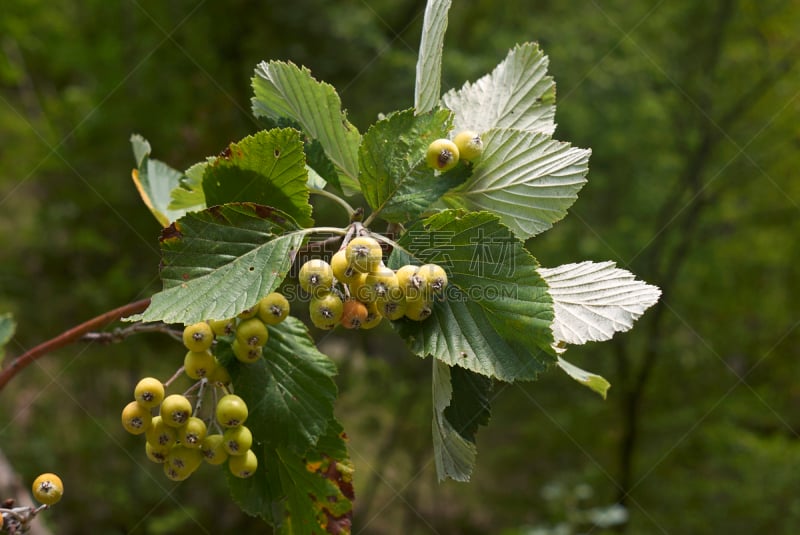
(220, 261)
(395, 180)
(285, 91)
(429, 62)
(267, 168)
(495, 319)
(594, 300)
(526, 178)
(517, 94)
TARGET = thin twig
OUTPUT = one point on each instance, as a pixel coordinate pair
(67, 337)
(120, 334)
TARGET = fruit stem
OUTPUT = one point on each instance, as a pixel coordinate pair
(175, 375)
(200, 392)
(69, 336)
(332, 196)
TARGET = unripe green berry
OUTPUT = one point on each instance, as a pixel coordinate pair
(243, 465)
(193, 433)
(469, 144)
(433, 277)
(273, 308)
(198, 364)
(252, 332)
(159, 434)
(213, 449)
(222, 327)
(198, 337)
(442, 155)
(316, 277)
(135, 418)
(342, 270)
(363, 254)
(237, 440)
(326, 311)
(176, 410)
(418, 309)
(381, 283)
(245, 353)
(149, 392)
(373, 319)
(157, 454)
(48, 489)
(231, 411)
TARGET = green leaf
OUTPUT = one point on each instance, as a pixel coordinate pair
(266, 168)
(429, 63)
(594, 300)
(526, 178)
(319, 489)
(290, 392)
(220, 261)
(517, 94)
(587, 379)
(7, 328)
(396, 181)
(495, 319)
(284, 90)
(189, 196)
(460, 405)
(155, 181)
(262, 493)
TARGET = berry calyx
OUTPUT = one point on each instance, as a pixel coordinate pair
(381, 283)
(149, 392)
(237, 440)
(198, 337)
(243, 466)
(442, 155)
(199, 364)
(326, 311)
(364, 254)
(231, 411)
(252, 332)
(433, 278)
(273, 308)
(354, 314)
(175, 410)
(470, 146)
(48, 489)
(316, 277)
(245, 353)
(135, 418)
(213, 449)
(159, 434)
(192, 434)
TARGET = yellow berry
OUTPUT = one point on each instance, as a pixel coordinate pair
(149, 392)
(273, 308)
(243, 465)
(48, 489)
(198, 364)
(469, 144)
(198, 337)
(442, 155)
(135, 418)
(363, 254)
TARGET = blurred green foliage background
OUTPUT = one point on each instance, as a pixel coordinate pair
(691, 110)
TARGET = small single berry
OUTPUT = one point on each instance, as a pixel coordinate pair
(245, 353)
(342, 269)
(193, 433)
(176, 410)
(326, 311)
(354, 314)
(222, 327)
(199, 364)
(135, 418)
(231, 411)
(198, 337)
(316, 277)
(252, 332)
(149, 392)
(159, 434)
(237, 440)
(157, 454)
(273, 308)
(213, 449)
(418, 309)
(470, 146)
(48, 489)
(442, 155)
(363, 254)
(243, 465)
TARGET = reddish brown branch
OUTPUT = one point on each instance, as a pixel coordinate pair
(67, 337)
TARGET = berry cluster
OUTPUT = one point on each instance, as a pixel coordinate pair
(444, 154)
(369, 290)
(178, 436)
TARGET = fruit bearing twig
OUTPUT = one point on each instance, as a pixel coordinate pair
(69, 336)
